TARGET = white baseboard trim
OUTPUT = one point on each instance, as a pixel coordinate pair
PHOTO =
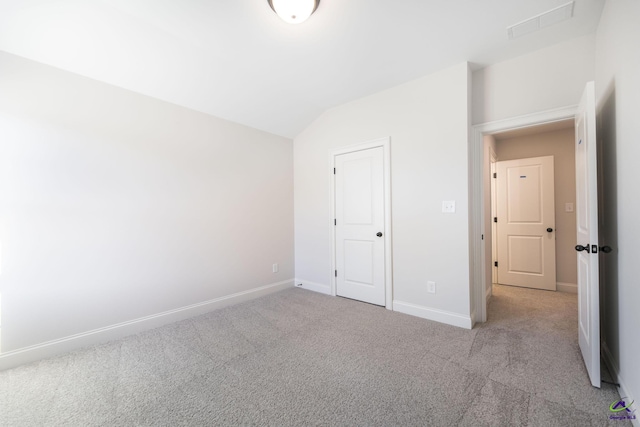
(441, 316)
(571, 288)
(615, 373)
(316, 287)
(52, 348)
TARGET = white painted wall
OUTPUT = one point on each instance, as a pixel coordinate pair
(549, 78)
(115, 206)
(617, 94)
(427, 120)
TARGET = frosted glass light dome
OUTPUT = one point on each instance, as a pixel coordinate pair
(294, 11)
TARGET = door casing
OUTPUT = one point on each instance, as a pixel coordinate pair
(493, 158)
(478, 257)
(385, 143)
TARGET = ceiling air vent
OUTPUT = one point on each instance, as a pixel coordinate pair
(537, 22)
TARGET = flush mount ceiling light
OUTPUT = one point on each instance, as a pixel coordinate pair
(294, 11)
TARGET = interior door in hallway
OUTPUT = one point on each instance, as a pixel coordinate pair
(526, 223)
(359, 223)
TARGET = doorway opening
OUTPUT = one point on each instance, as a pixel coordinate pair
(586, 203)
(532, 207)
(482, 263)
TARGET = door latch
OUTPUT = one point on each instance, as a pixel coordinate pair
(581, 248)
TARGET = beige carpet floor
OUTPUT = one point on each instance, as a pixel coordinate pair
(298, 358)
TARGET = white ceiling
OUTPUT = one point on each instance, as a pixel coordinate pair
(237, 60)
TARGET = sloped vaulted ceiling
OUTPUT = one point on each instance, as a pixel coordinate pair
(237, 60)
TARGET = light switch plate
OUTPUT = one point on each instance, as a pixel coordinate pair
(448, 206)
(431, 287)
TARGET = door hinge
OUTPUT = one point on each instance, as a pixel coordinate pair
(495, 263)
(336, 273)
(495, 175)
(482, 237)
(335, 222)
(495, 219)
(334, 171)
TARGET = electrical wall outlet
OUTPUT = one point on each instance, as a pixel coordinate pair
(448, 206)
(431, 287)
(275, 268)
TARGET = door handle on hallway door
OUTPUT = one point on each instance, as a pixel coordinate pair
(379, 234)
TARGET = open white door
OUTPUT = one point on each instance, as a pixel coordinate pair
(587, 231)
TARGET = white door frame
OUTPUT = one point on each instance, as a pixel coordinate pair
(385, 143)
(478, 260)
(493, 158)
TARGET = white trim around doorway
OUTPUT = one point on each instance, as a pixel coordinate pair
(385, 143)
(478, 262)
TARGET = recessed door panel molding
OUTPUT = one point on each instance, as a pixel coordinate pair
(358, 196)
(524, 187)
(358, 262)
(533, 246)
(583, 298)
(582, 196)
(525, 214)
